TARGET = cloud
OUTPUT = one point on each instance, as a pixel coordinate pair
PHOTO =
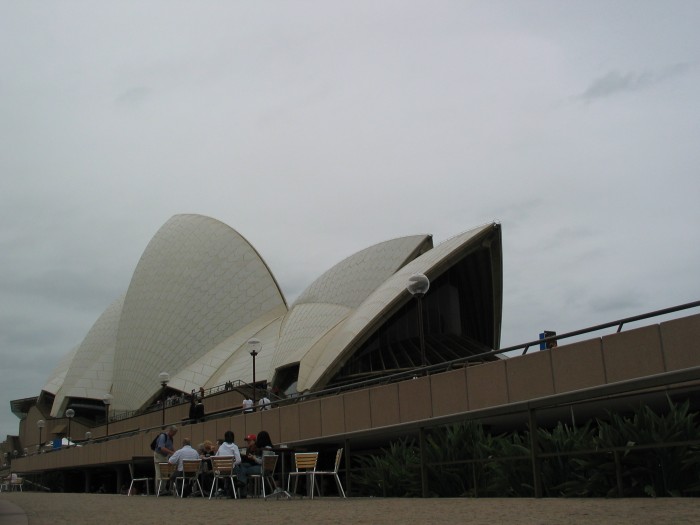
(616, 82)
(134, 97)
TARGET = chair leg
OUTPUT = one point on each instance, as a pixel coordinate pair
(201, 491)
(340, 487)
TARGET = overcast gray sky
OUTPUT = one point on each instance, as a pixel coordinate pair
(318, 128)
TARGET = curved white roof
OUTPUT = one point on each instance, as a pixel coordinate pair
(197, 283)
(90, 373)
(200, 291)
(58, 374)
(339, 291)
(319, 364)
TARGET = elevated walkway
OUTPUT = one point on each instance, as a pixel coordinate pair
(580, 379)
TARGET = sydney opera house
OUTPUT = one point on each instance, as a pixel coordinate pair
(358, 355)
(200, 292)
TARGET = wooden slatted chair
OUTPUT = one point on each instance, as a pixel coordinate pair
(17, 484)
(304, 465)
(267, 473)
(166, 470)
(190, 472)
(222, 466)
(334, 472)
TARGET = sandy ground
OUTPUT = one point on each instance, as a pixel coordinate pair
(78, 509)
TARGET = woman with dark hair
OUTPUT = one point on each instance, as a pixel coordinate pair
(263, 440)
(229, 448)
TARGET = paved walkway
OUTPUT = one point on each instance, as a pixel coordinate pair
(107, 509)
(11, 513)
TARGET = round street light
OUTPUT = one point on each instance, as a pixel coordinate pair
(40, 425)
(418, 285)
(70, 413)
(107, 400)
(254, 345)
(163, 377)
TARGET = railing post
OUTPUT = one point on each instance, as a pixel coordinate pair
(536, 473)
(618, 474)
(423, 465)
(346, 453)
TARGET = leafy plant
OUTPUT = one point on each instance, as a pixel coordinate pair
(618, 455)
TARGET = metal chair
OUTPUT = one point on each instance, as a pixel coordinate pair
(304, 465)
(334, 472)
(17, 483)
(267, 473)
(222, 466)
(190, 471)
(166, 470)
(133, 479)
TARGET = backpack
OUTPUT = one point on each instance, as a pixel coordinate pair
(154, 443)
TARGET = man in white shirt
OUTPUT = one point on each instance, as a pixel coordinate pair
(186, 452)
(264, 403)
(247, 405)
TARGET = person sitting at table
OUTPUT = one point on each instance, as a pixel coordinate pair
(250, 464)
(263, 443)
(229, 448)
(206, 476)
(186, 452)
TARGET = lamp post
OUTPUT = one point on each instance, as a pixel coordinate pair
(70, 413)
(40, 424)
(163, 377)
(107, 400)
(418, 285)
(254, 345)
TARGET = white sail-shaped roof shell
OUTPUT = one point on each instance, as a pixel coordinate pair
(321, 361)
(339, 291)
(197, 283)
(231, 359)
(90, 373)
(200, 292)
(58, 374)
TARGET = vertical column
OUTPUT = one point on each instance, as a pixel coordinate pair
(423, 465)
(536, 473)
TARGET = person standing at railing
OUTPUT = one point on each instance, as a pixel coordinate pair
(264, 403)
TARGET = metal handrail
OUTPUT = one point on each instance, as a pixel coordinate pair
(448, 365)
(440, 367)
